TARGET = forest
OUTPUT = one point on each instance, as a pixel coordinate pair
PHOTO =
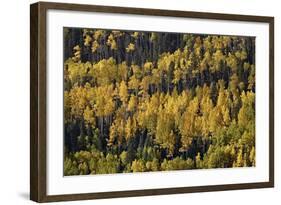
(138, 101)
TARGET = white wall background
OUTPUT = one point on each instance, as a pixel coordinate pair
(14, 103)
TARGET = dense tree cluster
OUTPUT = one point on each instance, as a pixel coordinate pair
(148, 101)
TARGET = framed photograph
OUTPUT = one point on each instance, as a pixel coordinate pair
(135, 102)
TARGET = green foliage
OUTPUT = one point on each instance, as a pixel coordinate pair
(85, 162)
(177, 164)
(138, 166)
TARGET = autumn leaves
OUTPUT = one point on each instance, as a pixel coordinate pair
(187, 109)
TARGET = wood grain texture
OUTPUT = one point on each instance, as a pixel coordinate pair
(271, 101)
(38, 99)
(33, 102)
(37, 102)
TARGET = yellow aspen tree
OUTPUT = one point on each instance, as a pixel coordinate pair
(123, 92)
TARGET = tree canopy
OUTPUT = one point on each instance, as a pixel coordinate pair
(151, 101)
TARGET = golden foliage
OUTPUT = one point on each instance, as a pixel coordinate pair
(195, 104)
